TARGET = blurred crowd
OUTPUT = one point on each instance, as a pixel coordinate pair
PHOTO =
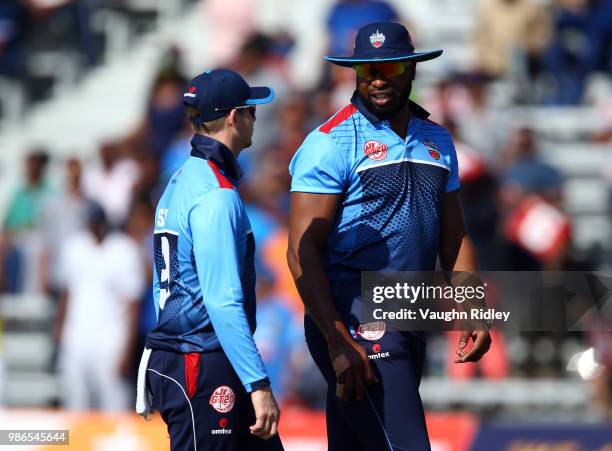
(48, 42)
(552, 46)
(87, 242)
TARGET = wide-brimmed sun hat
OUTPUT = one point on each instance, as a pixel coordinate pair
(381, 42)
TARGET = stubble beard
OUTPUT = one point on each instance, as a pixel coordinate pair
(388, 113)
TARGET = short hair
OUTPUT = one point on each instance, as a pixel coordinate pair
(41, 156)
(207, 128)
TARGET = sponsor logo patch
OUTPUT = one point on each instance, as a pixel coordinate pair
(191, 92)
(375, 150)
(222, 399)
(377, 39)
(223, 422)
(372, 331)
(376, 348)
(433, 149)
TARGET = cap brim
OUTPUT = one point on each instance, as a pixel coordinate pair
(348, 61)
(260, 95)
(189, 100)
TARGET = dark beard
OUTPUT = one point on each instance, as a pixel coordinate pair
(386, 114)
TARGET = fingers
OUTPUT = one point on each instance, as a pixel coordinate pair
(465, 336)
(340, 386)
(461, 345)
(273, 428)
(482, 343)
(266, 426)
(341, 363)
(259, 427)
(353, 382)
(481, 346)
(353, 373)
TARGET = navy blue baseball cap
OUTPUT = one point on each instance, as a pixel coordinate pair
(215, 92)
(380, 42)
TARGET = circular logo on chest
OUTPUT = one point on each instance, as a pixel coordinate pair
(375, 150)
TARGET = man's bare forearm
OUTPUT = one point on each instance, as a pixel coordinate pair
(464, 259)
(306, 265)
(310, 222)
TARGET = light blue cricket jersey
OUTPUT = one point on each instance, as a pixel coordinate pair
(392, 193)
(204, 277)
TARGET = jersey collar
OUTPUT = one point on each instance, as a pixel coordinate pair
(415, 109)
(210, 149)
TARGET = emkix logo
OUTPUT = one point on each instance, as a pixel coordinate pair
(223, 422)
(377, 354)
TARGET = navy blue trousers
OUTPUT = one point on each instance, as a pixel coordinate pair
(203, 402)
(391, 417)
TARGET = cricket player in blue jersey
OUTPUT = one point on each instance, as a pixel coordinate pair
(201, 368)
(375, 188)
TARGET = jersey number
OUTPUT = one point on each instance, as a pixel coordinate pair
(166, 264)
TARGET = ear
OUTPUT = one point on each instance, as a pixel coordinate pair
(231, 118)
(412, 71)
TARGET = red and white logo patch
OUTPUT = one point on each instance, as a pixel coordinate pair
(377, 39)
(372, 331)
(376, 348)
(222, 399)
(433, 150)
(191, 92)
(375, 150)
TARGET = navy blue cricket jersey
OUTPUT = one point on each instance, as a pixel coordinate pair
(392, 194)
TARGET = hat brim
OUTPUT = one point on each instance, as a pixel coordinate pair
(259, 95)
(349, 61)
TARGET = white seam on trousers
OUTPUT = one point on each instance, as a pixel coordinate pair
(379, 421)
(195, 445)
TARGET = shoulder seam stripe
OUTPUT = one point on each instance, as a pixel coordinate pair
(224, 183)
(338, 118)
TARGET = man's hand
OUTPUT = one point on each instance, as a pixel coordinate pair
(482, 343)
(352, 367)
(267, 413)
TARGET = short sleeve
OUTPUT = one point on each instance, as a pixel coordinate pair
(453, 178)
(318, 166)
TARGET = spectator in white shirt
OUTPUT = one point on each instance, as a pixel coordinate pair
(103, 278)
(111, 183)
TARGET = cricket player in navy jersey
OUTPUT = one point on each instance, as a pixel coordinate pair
(201, 368)
(375, 188)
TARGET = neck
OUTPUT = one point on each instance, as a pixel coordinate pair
(99, 235)
(231, 144)
(399, 122)
(74, 189)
